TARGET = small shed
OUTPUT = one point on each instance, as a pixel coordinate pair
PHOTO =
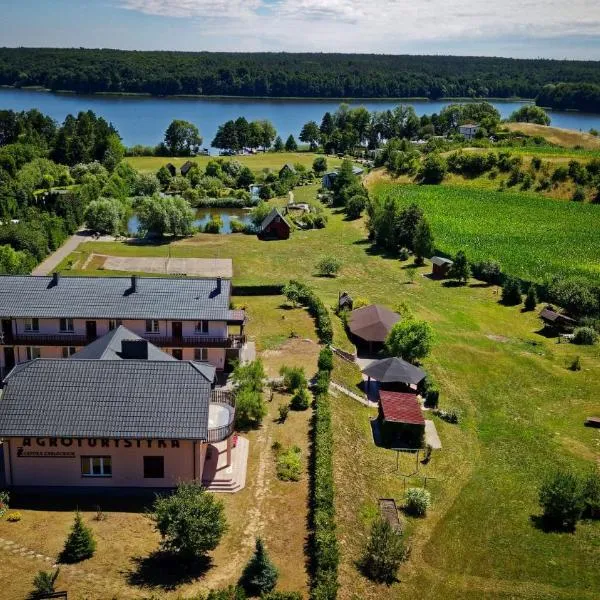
(556, 320)
(345, 301)
(172, 169)
(185, 167)
(401, 419)
(440, 266)
(329, 178)
(371, 325)
(287, 170)
(274, 227)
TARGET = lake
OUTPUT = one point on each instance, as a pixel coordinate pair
(143, 120)
(203, 216)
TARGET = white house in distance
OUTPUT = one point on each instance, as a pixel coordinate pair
(54, 317)
(468, 130)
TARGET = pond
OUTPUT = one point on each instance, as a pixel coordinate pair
(143, 120)
(203, 216)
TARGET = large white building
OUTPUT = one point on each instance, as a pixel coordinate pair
(54, 317)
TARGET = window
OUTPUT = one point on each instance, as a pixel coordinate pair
(201, 354)
(68, 351)
(66, 325)
(114, 323)
(201, 326)
(154, 467)
(178, 353)
(152, 326)
(32, 325)
(96, 466)
(33, 353)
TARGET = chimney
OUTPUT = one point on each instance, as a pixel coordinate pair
(134, 349)
(55, 278)
(134, 283)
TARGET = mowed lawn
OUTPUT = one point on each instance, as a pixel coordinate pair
(523, 414)
(257, 162)
(531, 236)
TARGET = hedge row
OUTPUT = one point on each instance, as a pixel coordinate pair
(301, 293)
(274, 289)
(326, 553)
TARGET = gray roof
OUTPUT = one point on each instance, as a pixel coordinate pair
(113, 298)
(394, 369)
(440, 260)
(109, 347)
(110, 399)
(274, 213)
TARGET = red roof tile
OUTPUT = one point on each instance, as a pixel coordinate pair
(398, 407)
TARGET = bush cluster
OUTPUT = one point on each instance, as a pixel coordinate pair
(417, 501)
(299, 293)
(289, 464)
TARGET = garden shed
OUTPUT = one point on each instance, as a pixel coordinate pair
(274, 227)
(401, 419)
(440, 266)
(556, 320)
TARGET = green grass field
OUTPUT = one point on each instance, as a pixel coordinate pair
(530, 235)
(523, 409)
(257, 162)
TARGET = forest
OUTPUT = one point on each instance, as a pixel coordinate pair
(289, 75)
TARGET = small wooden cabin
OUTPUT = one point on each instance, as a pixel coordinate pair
(401, 420)
(286, 170)
(556, 320)
(440, 266)
(274, 227)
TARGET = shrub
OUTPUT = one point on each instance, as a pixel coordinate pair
(300, 399)
(575, 364)
(585, 336)
(576, 296)
(328, 266)
(260, 574)
(578, 194)
(403, 254)
(511, 292)
(250, 408)
(191, 521)
(355, 205)
(460, 269)
(80, 543)
(289, 465)
(530, 299)
(293, 378)
(433, 169)
(322, 382)
(562, 500)
(213, 225)
(410, 339)
(325, 362)
(591, 494)
(44, 583)
(237, 226)
(232, 592)
(282, 596)
(432, 397)
(13, 517)
(450, 415)
(283, 411)
(383, 553)
(417, 501)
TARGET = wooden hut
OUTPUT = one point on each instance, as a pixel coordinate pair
(440, 267)
(401, 420)
(274, 227)
(556, 320)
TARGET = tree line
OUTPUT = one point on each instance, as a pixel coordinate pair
(306, 75)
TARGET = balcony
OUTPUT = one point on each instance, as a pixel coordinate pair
(46, 339)
(221, 416)
(197, 341)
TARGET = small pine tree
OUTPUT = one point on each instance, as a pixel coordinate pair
(531, 299)
(383, 554)
(290, 144)
(260, 574)
(423, 241)
(80, 543)
(460, 269)
(278, 144)
(511, 292)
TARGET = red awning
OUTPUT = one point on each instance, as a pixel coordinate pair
(399, 407)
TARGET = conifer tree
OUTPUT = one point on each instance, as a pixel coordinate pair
(260, 574)
(531, 298)
(80, 543)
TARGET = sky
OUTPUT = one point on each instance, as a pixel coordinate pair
(517, 28)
